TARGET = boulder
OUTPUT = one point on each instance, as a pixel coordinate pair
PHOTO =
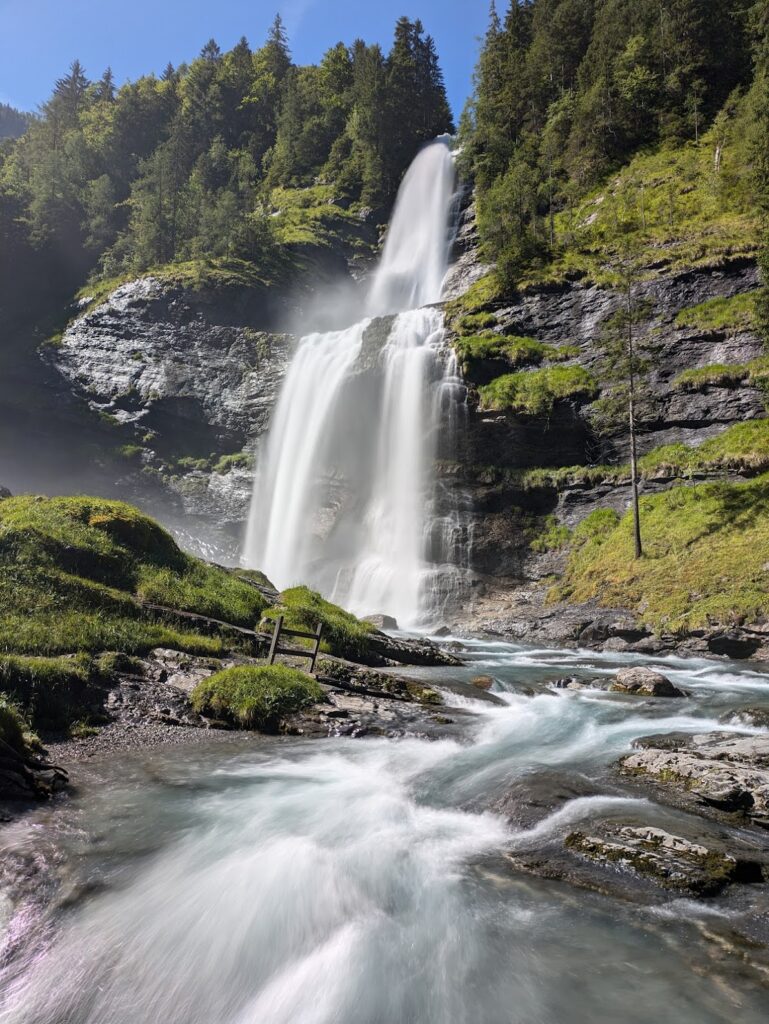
(671, 861)
(382, 621)
(727, 772)
(5, 493)
(482, 682)
(644, 682)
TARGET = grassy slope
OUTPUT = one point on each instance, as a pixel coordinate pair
(705, 562)
(73, 571)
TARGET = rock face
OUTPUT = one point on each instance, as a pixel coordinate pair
(725, 772)
(644, 682)
(180, 366)
(187, 376)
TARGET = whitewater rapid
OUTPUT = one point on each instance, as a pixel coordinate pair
(366, 881)
(344, 491)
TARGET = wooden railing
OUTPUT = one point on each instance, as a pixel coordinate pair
(294, 652)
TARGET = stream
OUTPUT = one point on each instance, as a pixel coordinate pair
(366, 881)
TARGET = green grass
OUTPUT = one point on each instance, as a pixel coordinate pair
(51, 691)
(487, 291)
(515, 351)
(14, 729)
(343, 634)
(73, 570)
(742, 448)
(535, 392)
(720, 315)
(724, 375)
(256, 698)
(553, 537)
(668, 206)
(204, 273)
(238, 460)
(705, 554)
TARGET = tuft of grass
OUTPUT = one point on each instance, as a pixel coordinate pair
(720, 315)
(724, 375)
(50, 690)
(535, 392)
(706, 552)
(256, 697)
(343, 634)
(553, 537)
(14, 729)
(238, 460)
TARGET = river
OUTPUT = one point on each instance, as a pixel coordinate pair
(343, 881)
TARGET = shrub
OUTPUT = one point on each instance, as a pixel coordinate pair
(256, 697)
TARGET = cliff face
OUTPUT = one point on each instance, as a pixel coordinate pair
(187, 380)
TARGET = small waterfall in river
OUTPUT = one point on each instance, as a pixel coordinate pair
(345, 497)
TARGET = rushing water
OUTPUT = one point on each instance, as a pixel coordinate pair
(344, 488)
(364, 882)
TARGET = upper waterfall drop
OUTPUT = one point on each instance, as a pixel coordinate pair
(416, 250)
(344, 487)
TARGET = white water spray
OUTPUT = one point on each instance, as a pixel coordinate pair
(344, 486)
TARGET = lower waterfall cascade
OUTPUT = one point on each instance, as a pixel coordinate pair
(345, 495)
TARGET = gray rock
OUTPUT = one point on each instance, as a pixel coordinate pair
(381, 621)
(644, 682)
(671, 861)
(727, 772)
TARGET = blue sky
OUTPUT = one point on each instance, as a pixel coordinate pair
(40, 38)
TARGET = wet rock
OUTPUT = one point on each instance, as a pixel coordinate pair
(382, 621)
(644, 682)
(671, 861)
(442, 631)
(726, 772)
(483, 682)
(748, 716)
(399, 650)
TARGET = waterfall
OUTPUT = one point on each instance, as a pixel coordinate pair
(344, 492)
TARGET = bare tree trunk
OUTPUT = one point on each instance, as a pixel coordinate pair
(631, 419)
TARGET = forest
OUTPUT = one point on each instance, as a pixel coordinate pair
(110, 180)
(568, 91)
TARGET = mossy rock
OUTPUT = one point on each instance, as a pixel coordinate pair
(256, 697)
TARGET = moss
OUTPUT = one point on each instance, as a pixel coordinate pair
(256, 698)
(721, 315)
(705, 552)
(343, 634)
(74, 570)
(535, 392)
(131, 452)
